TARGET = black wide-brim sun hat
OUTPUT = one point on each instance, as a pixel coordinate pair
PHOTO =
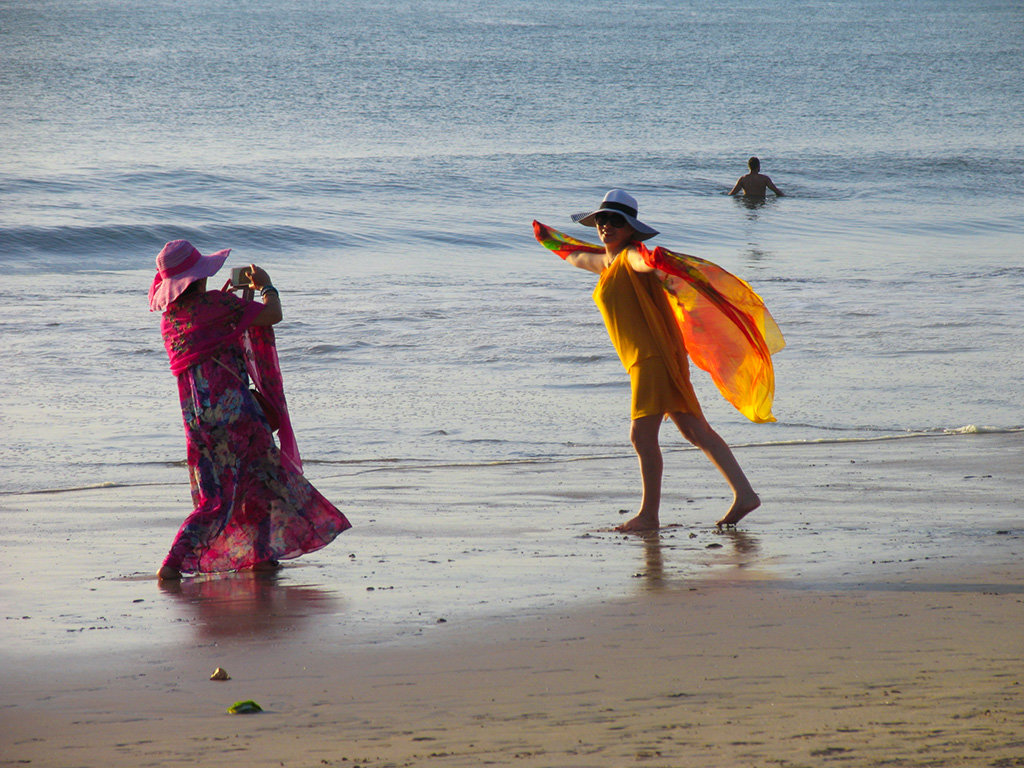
(622, 203)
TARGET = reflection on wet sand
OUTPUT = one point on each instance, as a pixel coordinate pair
(735, 549)
(654, 562)
(744, 545)
(248, 603)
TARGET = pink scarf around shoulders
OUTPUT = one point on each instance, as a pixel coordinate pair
(195, 329)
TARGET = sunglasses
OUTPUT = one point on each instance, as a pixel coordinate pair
(610, 220)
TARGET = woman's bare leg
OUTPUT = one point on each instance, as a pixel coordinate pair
(697, 430)
(643, 433)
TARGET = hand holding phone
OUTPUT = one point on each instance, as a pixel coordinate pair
(240, 278)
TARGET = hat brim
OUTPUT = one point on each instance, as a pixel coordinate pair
(164, 291)
(643, 232)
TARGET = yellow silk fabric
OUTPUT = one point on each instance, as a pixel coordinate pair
(641, 324)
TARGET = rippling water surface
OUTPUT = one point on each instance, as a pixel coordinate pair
(384, 161)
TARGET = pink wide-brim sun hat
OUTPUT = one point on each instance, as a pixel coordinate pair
(179, 265)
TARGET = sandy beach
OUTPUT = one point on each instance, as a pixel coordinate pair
(869, 614)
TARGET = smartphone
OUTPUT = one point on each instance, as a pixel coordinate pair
(240, 277)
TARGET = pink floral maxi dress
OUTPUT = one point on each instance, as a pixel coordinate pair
(251, 502)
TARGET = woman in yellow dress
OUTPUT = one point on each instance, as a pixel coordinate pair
(646, 335)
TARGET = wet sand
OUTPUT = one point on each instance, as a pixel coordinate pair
(869, 614)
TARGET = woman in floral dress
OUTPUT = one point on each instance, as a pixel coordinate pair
(252, 505)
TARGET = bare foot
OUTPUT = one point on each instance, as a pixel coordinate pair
(166, 573)
(741, 507)
(642, 522)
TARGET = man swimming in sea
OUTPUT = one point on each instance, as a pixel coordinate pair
(755, 183)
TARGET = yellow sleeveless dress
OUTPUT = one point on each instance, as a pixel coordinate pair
(644, 331)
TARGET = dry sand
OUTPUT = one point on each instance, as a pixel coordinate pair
(920, 665)
(738, 674)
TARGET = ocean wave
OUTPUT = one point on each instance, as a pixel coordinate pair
(969, 429)
(579, 358)
(128, 246)
(86, 487)
(977, 429)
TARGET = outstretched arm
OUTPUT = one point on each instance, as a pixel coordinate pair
(774, 189)
(739, 186)
(592, 262)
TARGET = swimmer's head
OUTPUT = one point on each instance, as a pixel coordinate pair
(754, 165)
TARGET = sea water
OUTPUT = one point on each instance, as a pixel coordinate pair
(384, 161)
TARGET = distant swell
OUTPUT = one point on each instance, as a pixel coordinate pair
(61, 249)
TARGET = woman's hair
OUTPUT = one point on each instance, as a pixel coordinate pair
(193, 287)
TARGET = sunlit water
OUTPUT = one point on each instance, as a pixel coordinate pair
(384, 161)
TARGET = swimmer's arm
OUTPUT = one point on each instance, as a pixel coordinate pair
(774, 189)
(592, 262)
(739, 186)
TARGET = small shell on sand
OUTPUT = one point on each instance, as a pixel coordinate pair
(220, 674)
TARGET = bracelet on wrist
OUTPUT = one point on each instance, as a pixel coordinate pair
(269, 289)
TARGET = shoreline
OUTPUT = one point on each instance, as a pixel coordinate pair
(494, 541)
(368, 465)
